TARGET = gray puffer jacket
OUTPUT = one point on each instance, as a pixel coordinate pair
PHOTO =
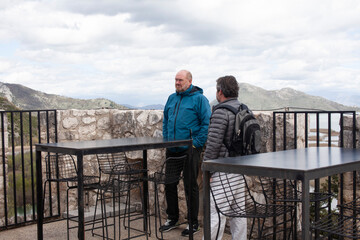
(220, 119)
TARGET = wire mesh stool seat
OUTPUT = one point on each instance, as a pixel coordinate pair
(232, 198)
(338, 225)
(170, 172)
(61, 168)
(118, 178)
(287, 191)
(283, 190)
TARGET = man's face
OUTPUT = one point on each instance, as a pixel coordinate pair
(181, 82)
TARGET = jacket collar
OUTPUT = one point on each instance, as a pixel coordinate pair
(228, 100)
(224, 102)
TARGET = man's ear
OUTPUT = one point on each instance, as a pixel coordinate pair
(221, 92)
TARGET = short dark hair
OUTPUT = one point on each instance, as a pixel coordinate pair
(228, 85)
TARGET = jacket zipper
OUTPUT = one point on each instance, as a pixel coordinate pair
(177, 112)
(175, 108)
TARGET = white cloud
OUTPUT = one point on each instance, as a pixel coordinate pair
(129, 51)
(4, 65)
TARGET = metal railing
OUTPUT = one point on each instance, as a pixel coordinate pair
(316, 125)
(20, 131)
(317, 122)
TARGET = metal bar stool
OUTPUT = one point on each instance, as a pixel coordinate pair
(345, 224)
(61, 168)
(170, 172)
(118, 178)
(232, 198)
(287, 192)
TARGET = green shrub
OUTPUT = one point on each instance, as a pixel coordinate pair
(18, 183)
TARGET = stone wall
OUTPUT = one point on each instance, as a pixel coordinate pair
(83, 125)
(80, 125)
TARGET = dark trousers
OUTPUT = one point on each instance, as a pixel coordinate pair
(171, 192)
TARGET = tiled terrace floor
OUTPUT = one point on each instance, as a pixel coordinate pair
(57, 231)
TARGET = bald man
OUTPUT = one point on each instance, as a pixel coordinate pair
(187, 110)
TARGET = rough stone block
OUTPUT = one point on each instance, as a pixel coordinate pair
(70, 122)
(88, 120)
(103, 123)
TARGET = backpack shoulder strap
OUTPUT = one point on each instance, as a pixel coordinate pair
(243, 107)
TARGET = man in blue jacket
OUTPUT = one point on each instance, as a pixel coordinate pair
(187, 110)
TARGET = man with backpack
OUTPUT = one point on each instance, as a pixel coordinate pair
(221, 142)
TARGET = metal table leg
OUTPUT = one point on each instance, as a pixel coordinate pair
(305, 209)
(206, 186)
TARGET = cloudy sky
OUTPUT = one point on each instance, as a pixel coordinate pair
(130, 50)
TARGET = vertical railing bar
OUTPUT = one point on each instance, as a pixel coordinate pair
(284, 147)
(341, 129)
(39, 128)
(274, 131)
(284, 215)
(56, 139)
(316, 181)
(354, 173)
(47, 127)
(273, 184)
(284, 127)
(4, 167)
(306, 130)
(341, 194)
(317, 129)
(58, 185)
(55, 125)
(354, 129)
(31, 167)
(48, 141)
(22, 162)
(14, 165)
(295, 130)
(329, 191)
(39, 141)
(295, 212)
(329, 130)
(354, 207)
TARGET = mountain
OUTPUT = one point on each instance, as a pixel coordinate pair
(28, 99)
(257, 98)
(147, 107)
(21, 97)
(6, 105)
(153, 107)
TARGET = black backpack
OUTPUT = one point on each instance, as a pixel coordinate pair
(246, 138)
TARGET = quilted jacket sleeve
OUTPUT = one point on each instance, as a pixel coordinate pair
(215, 147)
(221, 127)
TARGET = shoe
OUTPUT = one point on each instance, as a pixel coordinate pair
(169, 225)
(186, 231)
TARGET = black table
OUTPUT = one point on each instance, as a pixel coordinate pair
(96, 147)
(297, 164)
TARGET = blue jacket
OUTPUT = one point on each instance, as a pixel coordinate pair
(185, 111)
